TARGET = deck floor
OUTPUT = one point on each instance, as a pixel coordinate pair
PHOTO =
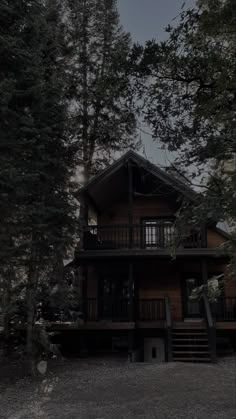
(108, 325)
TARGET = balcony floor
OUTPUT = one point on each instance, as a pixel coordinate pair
(91, 255)
(109, 325)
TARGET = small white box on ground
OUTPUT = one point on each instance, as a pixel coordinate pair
(154, 350)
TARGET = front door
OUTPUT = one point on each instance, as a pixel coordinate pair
(191, 308)
(114, 299)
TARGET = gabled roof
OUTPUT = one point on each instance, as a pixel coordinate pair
(140, 161)
(109, 181)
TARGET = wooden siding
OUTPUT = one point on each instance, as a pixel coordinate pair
(161, 286)
(230, 287)
(215, 239)
(92, 283)
(142, 207)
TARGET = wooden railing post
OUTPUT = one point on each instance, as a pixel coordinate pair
(85, 293)
(130, 207)
(168, 330)
(131, 293)
(204, 236)
(211, 328)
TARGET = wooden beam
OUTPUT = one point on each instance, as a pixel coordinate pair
(136, 300)
(204, 236)
(85, 292)
(131, 293)
(131, 346)
(204, 271)
(130, 206)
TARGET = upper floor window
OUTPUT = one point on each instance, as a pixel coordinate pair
(158, 232)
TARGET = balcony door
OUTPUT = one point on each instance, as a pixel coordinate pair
(157, 233)
(114, 299)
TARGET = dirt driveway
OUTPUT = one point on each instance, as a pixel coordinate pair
(99, 389)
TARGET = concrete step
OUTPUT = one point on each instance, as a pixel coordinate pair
(195, 359)
(189, 325)
(190, 340)
(190, 334)
(191, 352)
(191, 346)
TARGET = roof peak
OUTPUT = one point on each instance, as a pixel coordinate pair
(156, 171)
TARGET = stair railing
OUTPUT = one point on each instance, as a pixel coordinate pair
(210, 327)
(168, 330)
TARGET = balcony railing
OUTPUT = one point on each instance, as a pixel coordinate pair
(108, 309)
(152, 310)
(142, 236)
(118, 310)
(224, 310)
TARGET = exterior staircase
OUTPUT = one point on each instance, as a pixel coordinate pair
(190, 342)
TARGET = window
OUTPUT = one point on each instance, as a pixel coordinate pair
(158, 233)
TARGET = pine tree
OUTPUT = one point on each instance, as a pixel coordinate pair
(191, 97)
(100, 94)
(37, 159)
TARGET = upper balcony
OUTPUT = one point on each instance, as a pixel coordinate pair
(147, 236)
(134, 204)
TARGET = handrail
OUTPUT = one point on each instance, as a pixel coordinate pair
(168, 329)
(148, 236)
(224, 309)
(211, 327)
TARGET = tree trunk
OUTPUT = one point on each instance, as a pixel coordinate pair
(29, 335)
(9, 276)
(31, 311)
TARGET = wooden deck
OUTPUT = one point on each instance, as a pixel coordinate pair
(109, 325)
(99, 325)
(91, 255)
(226, 325)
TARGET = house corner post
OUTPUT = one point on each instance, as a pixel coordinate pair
(130, 206)
(85, 293)
(83, 218)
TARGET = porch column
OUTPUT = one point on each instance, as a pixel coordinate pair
(136, 300)
(204, 271)
(131, 293)
(83, 217)
(130, 206)
(204, 236)
(85, 292)
(131, 346)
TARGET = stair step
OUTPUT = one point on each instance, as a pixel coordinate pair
(192, 359)
(189, 326)
(190, 346)
(190, 340)
(190, 333)
(191, 352)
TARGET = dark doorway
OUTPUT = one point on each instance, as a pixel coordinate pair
(114, 299)
(191, 308)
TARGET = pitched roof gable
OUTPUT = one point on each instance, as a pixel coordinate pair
(160, 174)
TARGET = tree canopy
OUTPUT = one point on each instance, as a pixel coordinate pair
(190, 97)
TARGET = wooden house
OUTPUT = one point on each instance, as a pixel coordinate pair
(139, 269)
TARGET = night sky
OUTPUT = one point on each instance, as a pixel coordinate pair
(147, 19)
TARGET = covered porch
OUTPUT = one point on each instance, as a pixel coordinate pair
(144, 291)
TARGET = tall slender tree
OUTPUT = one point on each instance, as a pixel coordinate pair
(37, 159)
(100, 91)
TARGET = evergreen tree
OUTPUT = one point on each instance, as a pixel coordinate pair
(190, 99)
(100, 91)
(37, 159)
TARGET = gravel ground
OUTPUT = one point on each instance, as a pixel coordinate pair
(98, 389)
